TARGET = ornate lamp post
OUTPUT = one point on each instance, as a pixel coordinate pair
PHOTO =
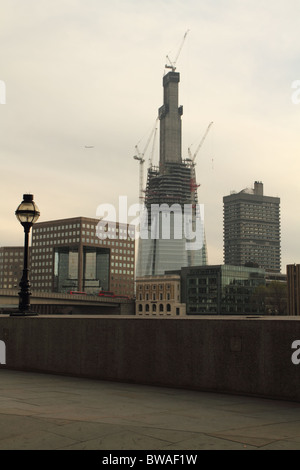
(27, 214)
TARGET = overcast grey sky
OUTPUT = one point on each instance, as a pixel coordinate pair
(89, 73)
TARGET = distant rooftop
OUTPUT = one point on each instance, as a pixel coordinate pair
(258, 189)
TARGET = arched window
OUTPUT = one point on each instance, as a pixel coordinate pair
(154, 308)
(147, 307)
(140, 308)
(168, 308)
(161, 307)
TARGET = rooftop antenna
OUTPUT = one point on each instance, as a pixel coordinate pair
(171, 64)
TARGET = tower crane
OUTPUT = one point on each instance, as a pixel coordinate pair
(153, 143)
(140, 158)
(192, 158)
(172, 64)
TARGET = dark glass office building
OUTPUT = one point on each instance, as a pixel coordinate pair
(95, 269)
(221, 289)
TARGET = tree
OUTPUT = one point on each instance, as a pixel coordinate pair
(272, 298)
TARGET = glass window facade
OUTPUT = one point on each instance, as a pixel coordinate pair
(224, 289)
(95, 269)
(65, 269)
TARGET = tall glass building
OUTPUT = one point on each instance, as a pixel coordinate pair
(173, 229)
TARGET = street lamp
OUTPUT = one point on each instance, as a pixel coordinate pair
(27, 214)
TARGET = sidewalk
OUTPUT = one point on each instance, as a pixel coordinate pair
(39, 411)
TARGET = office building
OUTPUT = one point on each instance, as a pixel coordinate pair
(11, 266)
(173, 230)
(293, 289)
(252, 229)
(159, 296)
(221, 290)
(68, 255)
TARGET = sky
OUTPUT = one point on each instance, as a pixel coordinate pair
(88, 73)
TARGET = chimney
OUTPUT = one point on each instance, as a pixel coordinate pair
(258, 188)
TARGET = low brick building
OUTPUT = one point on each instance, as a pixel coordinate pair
(159, 295)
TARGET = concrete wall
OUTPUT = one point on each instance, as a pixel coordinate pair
(127, 308)
(239, 355)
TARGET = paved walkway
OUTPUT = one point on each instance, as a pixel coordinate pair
(39, 411)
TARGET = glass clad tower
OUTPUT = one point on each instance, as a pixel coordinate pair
(173, 228)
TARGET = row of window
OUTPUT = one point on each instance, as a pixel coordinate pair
(55, 227)
(89, 237)
(111, 227)
(55, 235)
(122, 265)
(122, 271)
(160, 297)
(75, 240)
(12, 255)
(47, 252)
(154, 308)
(160, 286)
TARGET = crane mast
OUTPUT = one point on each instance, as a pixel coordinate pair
(140, 158)
(172, 64)
(192, 158)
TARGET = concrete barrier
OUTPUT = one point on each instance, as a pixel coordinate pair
(239, 355)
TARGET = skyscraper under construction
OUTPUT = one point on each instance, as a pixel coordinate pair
(172, 233)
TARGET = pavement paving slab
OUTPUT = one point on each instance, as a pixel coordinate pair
(49, 412)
